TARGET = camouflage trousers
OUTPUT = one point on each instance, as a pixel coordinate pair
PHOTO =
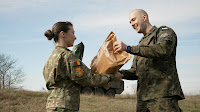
(60, 110)
(158, 105)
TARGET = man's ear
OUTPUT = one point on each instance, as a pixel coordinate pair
(144, 17)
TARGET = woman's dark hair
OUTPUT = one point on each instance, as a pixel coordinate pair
(56, 29)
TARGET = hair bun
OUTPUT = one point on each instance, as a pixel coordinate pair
(49, 34)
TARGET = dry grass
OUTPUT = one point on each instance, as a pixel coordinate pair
(22, 101)
(121, 103)
(29, 101)
(191, 103)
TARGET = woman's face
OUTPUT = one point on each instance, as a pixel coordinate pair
(70, 37)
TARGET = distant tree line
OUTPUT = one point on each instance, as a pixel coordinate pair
(11, 76)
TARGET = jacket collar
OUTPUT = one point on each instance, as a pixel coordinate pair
(62, 47)
(151, 30)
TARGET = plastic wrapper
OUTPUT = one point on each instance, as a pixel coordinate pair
(78, 50)
(106, 61)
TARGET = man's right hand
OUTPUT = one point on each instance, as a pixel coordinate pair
(118, 76)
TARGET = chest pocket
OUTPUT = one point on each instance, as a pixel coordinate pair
(150, 40)
(142, 62)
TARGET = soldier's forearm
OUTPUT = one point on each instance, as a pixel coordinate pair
(154, 51)
(128, 75)
(96, 80)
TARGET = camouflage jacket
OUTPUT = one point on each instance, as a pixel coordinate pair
(154, 65)
(64, 73)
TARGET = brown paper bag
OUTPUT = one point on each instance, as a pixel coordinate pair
(106, 62)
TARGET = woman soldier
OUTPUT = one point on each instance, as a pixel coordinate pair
(64, 73)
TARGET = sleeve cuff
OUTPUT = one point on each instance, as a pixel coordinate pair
(135, 49)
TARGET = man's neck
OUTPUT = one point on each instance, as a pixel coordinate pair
(149, 26)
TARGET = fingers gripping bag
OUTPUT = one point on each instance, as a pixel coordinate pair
(106, 61)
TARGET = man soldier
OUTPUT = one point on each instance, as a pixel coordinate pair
(154, 65)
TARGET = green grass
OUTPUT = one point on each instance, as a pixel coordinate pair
(30, 101)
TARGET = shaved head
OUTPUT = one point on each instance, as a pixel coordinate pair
(139, 12)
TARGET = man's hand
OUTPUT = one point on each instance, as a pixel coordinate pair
(118, 76)
(119, 46)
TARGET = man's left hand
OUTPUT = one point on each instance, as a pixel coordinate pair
(119, 46)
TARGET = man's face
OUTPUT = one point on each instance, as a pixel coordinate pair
(137, 22)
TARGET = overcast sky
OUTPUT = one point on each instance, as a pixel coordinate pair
(23, 23)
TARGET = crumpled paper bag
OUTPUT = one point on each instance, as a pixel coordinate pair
(106, 62)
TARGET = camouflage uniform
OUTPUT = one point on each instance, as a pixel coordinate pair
(154, 66)
(64, 74)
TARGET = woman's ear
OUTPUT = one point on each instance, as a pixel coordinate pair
(62, 34)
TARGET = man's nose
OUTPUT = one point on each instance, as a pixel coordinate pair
(132, 24)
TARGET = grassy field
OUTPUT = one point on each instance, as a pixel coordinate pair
(29, 101)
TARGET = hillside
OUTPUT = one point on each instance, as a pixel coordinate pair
(29, 101)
